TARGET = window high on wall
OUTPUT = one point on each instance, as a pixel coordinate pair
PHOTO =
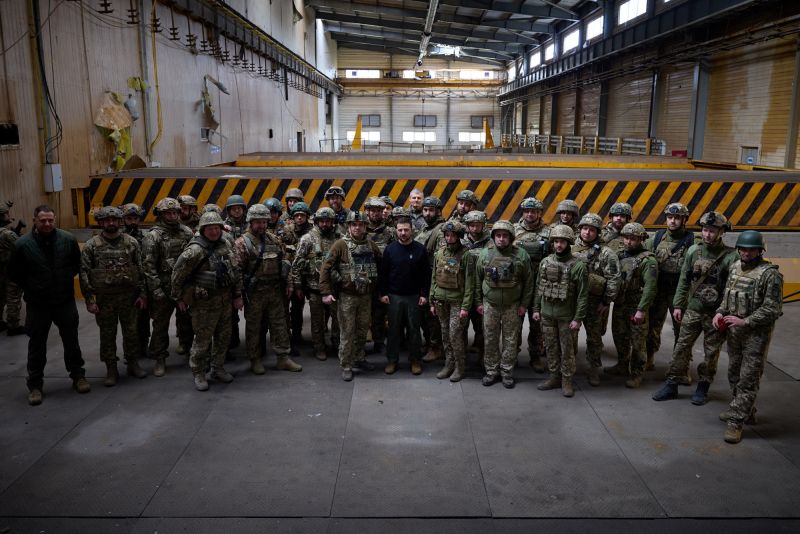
(370, 137)
(630, 10)
(594, 28)
(571, 40)
(419, 136)
(549, 52)
(536, 59)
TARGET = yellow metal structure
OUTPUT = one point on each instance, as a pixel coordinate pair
(489, 143)
(356, 144)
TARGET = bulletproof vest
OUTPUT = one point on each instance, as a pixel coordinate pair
(216, 271)
(114, 269)
(742, 294)
(535, 243)
(554, 278)
(612, 239)
(237, 228)
(474, 248)
(448, 270)
(379, 236)
(7, 238)
(631, 276)
(669, 262)
(264, 259)
(499, 271)
(708, 272)
(591, 254)
(170, 245)
(361, 268)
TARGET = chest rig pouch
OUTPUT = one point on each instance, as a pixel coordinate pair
(707, 292)
(742, 296)
(669, 256)
(554, 279)
(597, 282)
(362, 270)
(114, 271)
(500, 272)
(535, 246)
(631, 276)
(216, 274)
(448, 271)
(171, 247)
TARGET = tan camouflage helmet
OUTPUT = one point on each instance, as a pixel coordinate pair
(187, 200)
(569, 206)
(468, 196)
(531, 203)
(503, 225)
(591, 219)
(400, 211)
(715, 219)
(634, 229)
(562, 231)
(374, 202)
(334, 190)
(132, 210)
(210, 218)
(294, 193)
(212, 208)
(108, 212)
(324, 213)
(389, 201)
(475, 216)
(257, 211)
(166, 204)
(355, 217)
(621, 208)
(454, 226)
(676, 208)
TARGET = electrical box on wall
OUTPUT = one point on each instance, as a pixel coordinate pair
(52, 178)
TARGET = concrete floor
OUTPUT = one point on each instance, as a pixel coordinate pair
(307, 452)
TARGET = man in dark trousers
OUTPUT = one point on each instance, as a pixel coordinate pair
(44, 264)
(404, 284)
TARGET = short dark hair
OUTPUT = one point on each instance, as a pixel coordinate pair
(42, 207)
(402, 220)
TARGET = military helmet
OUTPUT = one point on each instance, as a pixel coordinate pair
(212, 208)
(750, 239)
(187, 200)
(166, 204)
(334, 190)
(454, 226)
(273, 204)
(634, 229)
(531, 203)
(257, 211)
(294, 193)
(400, 211)
(715, 219)
(676, 208)
(468, 196)
(325, 213)
(432, 202)
(355, 216)
(568, 205)
(503, 225)
(621, 208)
(562, 231)
(108, 212)
(300, 207)
(591, 219)
(208, 219)
(389, 201)
(235, 200)
(374, 202)
(132, 210)
(475, 216)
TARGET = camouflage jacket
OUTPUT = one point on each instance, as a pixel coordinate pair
(603, 267)
(452, 277)
(311, 252)
(260, 259)
(137, 234)
(562, 288)
(754, 293)
(703, 277)
(432, 237)
(340, 222)
(535, 241)
(381, 235)
(504, 277)
(192, 221)
(237, 228)
(417, 220)
(670, 250)
(205, 268)
(111, 266)
(352, 265)
(638, 280)
(611, 238)
(161, 247)
(7, 239)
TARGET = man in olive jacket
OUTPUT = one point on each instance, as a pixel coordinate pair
(44, 264)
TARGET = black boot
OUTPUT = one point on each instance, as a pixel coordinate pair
(700, 396)
(668, 391)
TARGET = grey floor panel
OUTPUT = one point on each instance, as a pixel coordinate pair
(783, 346)
(271, 447)
(651, 526)
(405, 526)
(65, 525)
(697, 477)
(113, 462)
(778, 420)
(409, 452)
(237, 525)
(543, 455)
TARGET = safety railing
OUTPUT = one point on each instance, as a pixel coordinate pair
(581, 144)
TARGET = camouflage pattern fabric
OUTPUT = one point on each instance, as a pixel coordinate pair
(500, 326)
(694, 324)
(453, 329)
(560, 343)
(318, 311)
(113, 309)
(630, 339)
(10, 293)
(211, 321)
(262, 305)
(354, 318)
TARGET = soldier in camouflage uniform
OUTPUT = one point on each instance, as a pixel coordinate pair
(432, 239)
(132, 215)
(351, 264)
(415, 201)
(466, 201)
(534, 236)
(603, 267)
(161, 247)
(751, 304)
(560, 303)
(620, 215)
(380, 234)
(311, 251)
(669, 247)
(259, 255)
(476, 239)
(293, 196)
(387, 210)
(235, 208)
(297, 226)
(335, 197)
(114, 288)
(189, 216)
(504, 286)
(567, 213)
(699, 292)
(206, 283)
(629, 322)
(10, 293)
(452, 289)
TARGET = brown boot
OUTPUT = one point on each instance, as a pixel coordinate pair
(447, 370)
(651, 362)
(134, 369)
(81, 385)
(458, 372)
(391, 368)
(566, 387)
(161, 367)
(620, 369)
(434, 353)
(733, 434)
(416, 367)
(112, 375)
(551, 383)
(594, 376)
(634, 382)
(285, 363)
(256, 367)
(321, 355)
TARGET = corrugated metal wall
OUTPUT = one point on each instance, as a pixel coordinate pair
(589, 109)
(565, 109)
(629, 106)
(534, 115)
(349, 109)
(674, 107)
(547, 109)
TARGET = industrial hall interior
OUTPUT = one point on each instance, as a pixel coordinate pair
(391, 266)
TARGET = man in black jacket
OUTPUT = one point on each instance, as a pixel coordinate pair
(44, 264)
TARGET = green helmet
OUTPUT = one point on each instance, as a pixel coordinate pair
(562, 231)
(294, 193)
(334, 190)
(108, 212)
(235, 200)
(432, 202)
(634, 229)
(475, 216)
(300, 207)
(504, 225)
(591, 219)
(715, 219)
(750, 239)
(212, 208)
(388, 200)
(324, 213)
(273, 204)
(400, 211)
(468, 196)
(257, 211)
(569, 206)
(356, 216)
(454, 226)
(621, 208)
(676, 208)
(208, 219)
(374, 202)
(531, 203)
(132, 210)
(166, 204)
(187, 200)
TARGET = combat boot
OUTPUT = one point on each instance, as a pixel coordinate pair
(490, 379)
(285, 363)
(256, 367)
(347, 374)
(391, 368)
(537, 364)
(35, 397)
(733, 434)
(508, 381)
(685, 380)
(221, 375)
(634, 382)
(594, 376)
(700, 396)
(200, 383)
(112, 374)
(81, 385)
(416, 367)
(650, 364)
(161, 367)
(321, 355)
(433, 354)
(551, 383)
(668, 391)
(566, 387)
(135, 370)
(620, 369)
(458, 372)
(727, 415)
(365, 365)
(181, 350)
(447, 370)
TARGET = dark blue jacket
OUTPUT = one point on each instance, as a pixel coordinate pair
(44, 267)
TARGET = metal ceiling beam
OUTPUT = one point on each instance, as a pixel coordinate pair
(473, 52)
(412, 52)
(516, 8)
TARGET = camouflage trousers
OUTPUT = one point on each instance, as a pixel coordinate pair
(117, 309)
(161, 312)
(296, 316)
(453, 329)
(211, 322)
(265, 303)
(380, 313)
(535, 339)
(747, 352)
(430, 327)
(354, 314)
(476, 319)
(11, 301)
(143, 330)
(560, 342)
(594, 324)
(657, 314)
(630, 339)
(500, 326)
(692, 326)
(318, 309)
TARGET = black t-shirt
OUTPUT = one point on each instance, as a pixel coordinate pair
(405, 270)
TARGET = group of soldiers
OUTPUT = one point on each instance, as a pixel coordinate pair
(579, 270)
